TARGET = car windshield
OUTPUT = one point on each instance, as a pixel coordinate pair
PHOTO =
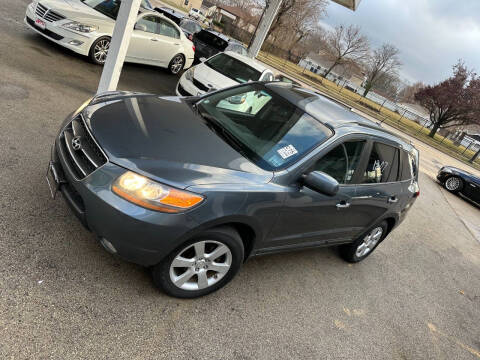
(261, 125)
(190, 26)
(233, 68)
(212, 40)
(110, 7)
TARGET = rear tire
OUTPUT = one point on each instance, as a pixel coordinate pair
(201, 265)
(365, 244)
(454, 184)
(99, 50)
(176, 64)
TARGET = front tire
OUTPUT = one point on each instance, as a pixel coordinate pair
(176, 64)
(454, 184)
(99, 50)
(201, 265)
(365, 244)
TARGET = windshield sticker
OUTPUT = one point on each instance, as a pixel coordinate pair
(287, 151)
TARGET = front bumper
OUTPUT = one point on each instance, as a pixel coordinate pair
(55, 32)
(138, 235)
(186, 88)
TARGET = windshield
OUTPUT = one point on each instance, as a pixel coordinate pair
(110, 7)
(233, 68)
(212, 40)
(263, 126)
(190, 26)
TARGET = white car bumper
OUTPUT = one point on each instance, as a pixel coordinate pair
(187, 88)
(53, 31)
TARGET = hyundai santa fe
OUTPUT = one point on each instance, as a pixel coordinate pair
(192, 187)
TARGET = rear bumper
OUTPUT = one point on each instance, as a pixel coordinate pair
(138, 235)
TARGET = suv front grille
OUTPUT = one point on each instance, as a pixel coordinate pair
(80, 150)
(47, 14)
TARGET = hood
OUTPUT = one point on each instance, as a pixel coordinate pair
(77, 11)
(212, 78)
(464, 173)
(162, 138)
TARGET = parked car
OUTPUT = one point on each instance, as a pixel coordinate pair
(198, 14)
(284, 78)
(221, 71)
(173, 15)
(461, 182)
(86, 27)
(209, 42)
(190, 27)
(192, 189)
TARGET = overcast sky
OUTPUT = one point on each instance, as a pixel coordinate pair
(431, 34)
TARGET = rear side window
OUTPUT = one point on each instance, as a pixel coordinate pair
(212, 40)
(409, 166)
(342, 161)
(167, 29)
(383, 164)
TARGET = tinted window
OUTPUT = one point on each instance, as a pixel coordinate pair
(110, 7)
(233, 68)
(167, 29)
(382, 164)
(341, 162)
(212, 40)
(150, 22)
(262, 126)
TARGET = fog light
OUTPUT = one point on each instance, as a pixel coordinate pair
(108, 246)
(76, 42)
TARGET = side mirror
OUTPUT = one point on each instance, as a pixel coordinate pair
(140, 27)
(321, 182)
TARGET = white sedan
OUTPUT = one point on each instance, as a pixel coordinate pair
(221, 71)
(86, 27)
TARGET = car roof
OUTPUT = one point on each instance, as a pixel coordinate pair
(220, 35)
(332, 113)
(249, 61)
(172, 12)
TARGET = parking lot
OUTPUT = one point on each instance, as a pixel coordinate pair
(63, 297)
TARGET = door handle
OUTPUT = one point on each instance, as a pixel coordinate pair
(392, 199)
(153, 39)
(343, 204)
(176, 44)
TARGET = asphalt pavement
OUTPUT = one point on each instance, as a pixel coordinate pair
(63, 297)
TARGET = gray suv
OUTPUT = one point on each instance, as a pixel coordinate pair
(193, 187)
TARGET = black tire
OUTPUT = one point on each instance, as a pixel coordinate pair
(454, 184)
(349, 251)
(223, 235)
(96, 58)
(173, 65)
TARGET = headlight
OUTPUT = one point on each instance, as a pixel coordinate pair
(83, 28)
(152, 195)
(189, 74)
(446, 170)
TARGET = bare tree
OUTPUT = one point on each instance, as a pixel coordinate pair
(382, 62)
(407, 94)
(346, 44)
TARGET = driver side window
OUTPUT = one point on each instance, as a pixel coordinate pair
(341, 162)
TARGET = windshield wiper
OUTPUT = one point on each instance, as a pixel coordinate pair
(226, 135)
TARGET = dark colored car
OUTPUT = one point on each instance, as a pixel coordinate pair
(192, 187)
(208, 43)
(461, 182)
(173, 15)
(190, 27)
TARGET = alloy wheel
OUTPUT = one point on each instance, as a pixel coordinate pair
(177, 64)
(200, 265)
(452, 183)
(100, 50)
(369, 242)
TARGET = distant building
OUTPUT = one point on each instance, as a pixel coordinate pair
(235, 16)
(208, 8)
(320, 63)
